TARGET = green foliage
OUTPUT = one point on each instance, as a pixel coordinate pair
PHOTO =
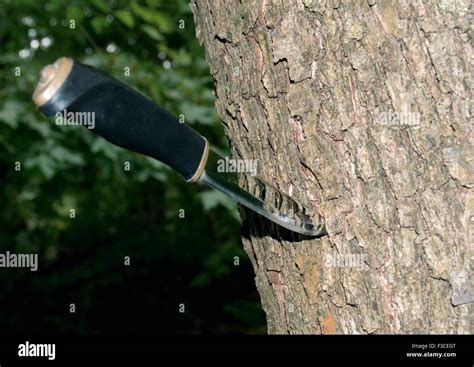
(118, 213)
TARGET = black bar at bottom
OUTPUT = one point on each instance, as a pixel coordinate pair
(449, 350)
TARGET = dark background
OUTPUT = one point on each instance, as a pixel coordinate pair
(119, 213)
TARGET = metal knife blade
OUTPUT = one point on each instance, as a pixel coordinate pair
(263, 198)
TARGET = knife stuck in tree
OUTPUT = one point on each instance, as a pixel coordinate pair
(132, 121)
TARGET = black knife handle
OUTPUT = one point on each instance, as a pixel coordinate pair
(129, 120)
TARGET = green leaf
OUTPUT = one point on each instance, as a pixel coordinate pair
(165, 23)
(142, 12)
(46, 166)
(75, 14)
(197, 114)
(125, 17)
(10, 112)
(159, 19)
(212, 199)
(183, 57)
(102, 146)
(152, 32)
(99, 24)
(101, 5)
(62, 154)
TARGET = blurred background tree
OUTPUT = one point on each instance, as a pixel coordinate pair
(118, 212)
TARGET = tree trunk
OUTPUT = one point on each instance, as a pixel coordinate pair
(360, 109)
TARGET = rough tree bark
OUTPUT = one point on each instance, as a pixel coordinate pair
(362, 110)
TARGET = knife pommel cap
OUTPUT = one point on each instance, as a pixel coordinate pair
(52, 78)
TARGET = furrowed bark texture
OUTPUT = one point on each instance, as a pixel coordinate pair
(362, 110)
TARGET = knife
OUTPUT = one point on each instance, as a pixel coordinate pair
(128, 119)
